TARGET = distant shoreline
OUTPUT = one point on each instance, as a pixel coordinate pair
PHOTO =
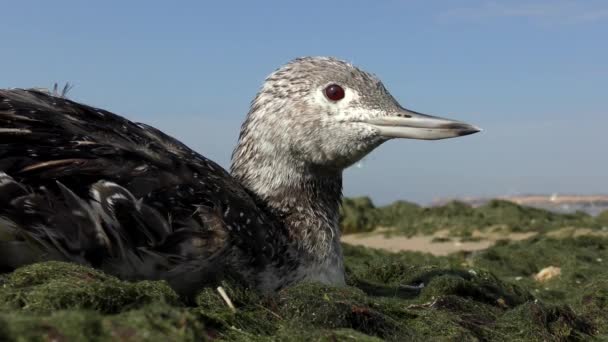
(567, 203)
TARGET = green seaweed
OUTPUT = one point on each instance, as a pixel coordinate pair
(390, 296)
(357, 215)
(154, 322)
(602, 218)
(53, 285)
(460, 219)
(489, 295)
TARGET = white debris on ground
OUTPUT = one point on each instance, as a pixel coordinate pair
(547, 273)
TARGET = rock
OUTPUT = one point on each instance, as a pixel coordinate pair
(547, 273)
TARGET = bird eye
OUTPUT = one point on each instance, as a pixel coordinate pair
(334, 92)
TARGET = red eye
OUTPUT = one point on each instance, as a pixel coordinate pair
(334, 92)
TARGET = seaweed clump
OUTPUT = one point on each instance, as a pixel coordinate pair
(459, 218)
(53, 285)
(488, 295)
(63, 302)
(358, 215)
(602, 218)
(390, 296)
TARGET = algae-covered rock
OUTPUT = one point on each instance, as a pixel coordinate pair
(475, 285)
(582, 260)
(334, 307)
(592, 302)
(390, 296)
(394, 213)
(53, 285)
(335, 335)
(602, 218)
(357, 215)
(456, 303)
(534, 321)
(252, 316)
(459, 218)
(155, 322)
(432, 275)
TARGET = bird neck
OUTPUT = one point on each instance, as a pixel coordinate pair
(306, 199)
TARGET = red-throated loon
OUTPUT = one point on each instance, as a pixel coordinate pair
(81, 184)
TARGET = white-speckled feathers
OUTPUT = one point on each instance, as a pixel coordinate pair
(82, 184)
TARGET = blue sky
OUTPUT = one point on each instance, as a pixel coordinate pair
(533, 74)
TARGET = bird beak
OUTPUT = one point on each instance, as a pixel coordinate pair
(412, 125)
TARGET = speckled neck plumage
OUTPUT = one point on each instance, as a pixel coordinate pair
(303, 197)
(272, 161)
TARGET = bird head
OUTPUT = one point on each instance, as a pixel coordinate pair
(327, 113)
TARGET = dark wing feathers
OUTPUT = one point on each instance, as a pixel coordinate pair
(82, 184)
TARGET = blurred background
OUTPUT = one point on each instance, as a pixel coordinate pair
(532, 74)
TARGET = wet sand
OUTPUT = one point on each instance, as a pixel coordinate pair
(425, 243)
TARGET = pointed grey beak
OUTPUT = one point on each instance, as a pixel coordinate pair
(413, 125)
